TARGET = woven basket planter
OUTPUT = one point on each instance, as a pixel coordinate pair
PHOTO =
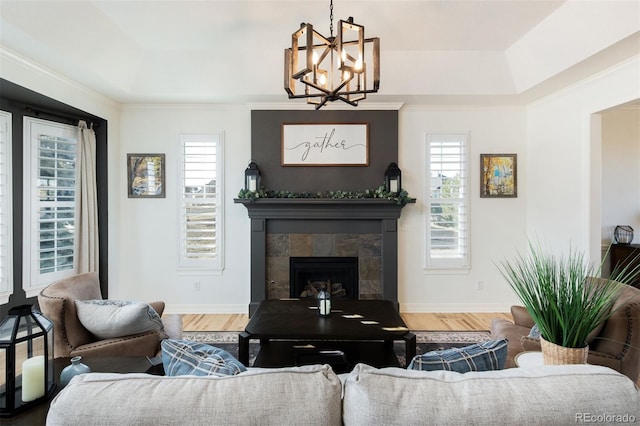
(553, 354)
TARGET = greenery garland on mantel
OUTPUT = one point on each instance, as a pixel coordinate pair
(401, 199)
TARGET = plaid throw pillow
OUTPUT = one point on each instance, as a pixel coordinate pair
(485, 356)
(182, 358)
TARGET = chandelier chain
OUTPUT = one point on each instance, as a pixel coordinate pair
(331, 19)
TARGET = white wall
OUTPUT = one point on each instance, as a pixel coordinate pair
(497, 225)
(564, 160)
(147, 234)
(620, 171)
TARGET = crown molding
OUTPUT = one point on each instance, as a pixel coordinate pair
(18, 70)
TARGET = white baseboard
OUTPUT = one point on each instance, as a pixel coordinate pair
(453, 307)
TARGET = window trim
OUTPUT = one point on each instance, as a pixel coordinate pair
(202, 266)
(6, 205)
(32, 281)
(447, 265)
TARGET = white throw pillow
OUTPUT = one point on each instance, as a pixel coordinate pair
(107, 319)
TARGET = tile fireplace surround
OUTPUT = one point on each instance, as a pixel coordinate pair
(281, 228)
(365, 247)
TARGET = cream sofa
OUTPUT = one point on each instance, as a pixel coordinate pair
(315, 395)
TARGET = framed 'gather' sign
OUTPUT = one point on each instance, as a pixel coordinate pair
(344, 144)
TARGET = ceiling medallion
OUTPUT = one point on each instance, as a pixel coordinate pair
(321, 69)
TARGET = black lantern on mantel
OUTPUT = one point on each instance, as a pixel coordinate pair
(26, 349)
(252, 177)
(393, 179)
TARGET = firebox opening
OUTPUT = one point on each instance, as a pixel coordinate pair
(339, 275)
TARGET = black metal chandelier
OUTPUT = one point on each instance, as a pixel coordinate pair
(321, 69)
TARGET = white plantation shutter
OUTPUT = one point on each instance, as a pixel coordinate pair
(50, 208)
(447, 221)
(6, 242)
(201, 201)
(56, 203)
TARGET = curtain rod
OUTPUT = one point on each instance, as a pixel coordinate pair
(38, 112)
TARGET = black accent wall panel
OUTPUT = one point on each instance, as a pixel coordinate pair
(266, 150)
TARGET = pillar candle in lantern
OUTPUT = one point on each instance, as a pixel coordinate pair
(33, 378)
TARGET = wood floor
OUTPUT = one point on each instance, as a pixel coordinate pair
(422, 321)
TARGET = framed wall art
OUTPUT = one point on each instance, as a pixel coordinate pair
(145, 175)
(498, 175)
(345, 144)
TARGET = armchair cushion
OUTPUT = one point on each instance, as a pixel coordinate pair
(145, 344)
(529, 344)
(108, 319)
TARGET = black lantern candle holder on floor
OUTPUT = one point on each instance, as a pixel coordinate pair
(26, 349)
(623, 234)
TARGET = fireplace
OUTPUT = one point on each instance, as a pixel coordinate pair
(338, 275)
(297, 227)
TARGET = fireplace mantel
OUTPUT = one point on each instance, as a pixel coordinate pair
(325, 216)
(321, 208)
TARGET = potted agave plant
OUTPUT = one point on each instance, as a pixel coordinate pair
(564, 298)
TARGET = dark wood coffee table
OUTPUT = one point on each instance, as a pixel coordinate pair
(123, 364)
(292, 333)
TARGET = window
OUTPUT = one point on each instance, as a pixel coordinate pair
(447, 222)
(201, 201)
(6, 224)
(50, 207)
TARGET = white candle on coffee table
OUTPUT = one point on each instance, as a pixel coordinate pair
(33, 378)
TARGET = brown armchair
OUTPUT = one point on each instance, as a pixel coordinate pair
(71, 338)
(616, 344)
